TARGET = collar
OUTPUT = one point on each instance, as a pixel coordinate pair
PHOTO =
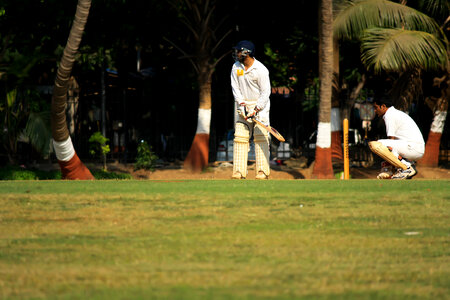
(388, 111)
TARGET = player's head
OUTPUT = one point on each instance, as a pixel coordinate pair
(242, 50)
(381, 105)
(383, 100)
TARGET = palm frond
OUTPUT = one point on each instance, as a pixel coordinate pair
(407, 89)
(357, 15)
(439, 9)
(39, 132)
(402, 50)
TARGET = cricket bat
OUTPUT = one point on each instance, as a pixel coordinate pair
(269, 128)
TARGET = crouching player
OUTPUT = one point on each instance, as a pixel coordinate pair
(404, 145)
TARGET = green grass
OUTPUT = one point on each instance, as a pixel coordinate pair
(296, 239)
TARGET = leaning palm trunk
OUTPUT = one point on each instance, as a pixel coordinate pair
(71, 166)
(440, 105)
(323, 167)
(197, 158)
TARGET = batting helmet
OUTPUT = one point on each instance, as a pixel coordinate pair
(245, 47)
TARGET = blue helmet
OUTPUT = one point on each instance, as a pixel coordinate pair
(245, 47)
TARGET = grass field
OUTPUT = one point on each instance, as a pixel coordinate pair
(296, 239)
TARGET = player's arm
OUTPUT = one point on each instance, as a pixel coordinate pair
(238, 98)
(264, 93)
(265, 90)
(235, 87)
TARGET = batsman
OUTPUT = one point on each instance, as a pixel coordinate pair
(404, 145)
(250, 84)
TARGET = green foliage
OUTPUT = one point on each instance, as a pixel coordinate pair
(38, 130)
(356, 16)
(18, 102)
(90, 58)
(21, 173)
(97, 144)
(394, 37)
(145, 158)
(290, 58)
(283, 66)
(438, 9)
(402, 50)
(311, 95)
(18, 65)
(111, 175)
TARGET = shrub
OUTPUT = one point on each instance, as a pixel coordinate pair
(97, 144)
(20, 173)
(111, 175)
(145, 158)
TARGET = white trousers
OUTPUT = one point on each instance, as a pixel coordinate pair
(408, 150)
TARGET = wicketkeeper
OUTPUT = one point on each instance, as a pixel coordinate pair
(404, 146)
(251, 90)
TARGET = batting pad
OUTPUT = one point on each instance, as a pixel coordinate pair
(261, 138)
(383, 152)
(240, 148)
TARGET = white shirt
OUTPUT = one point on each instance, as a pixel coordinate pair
(252, 86)
(401, 126)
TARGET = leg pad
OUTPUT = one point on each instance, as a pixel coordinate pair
(261, 139)
(240, 149)
(383, 152)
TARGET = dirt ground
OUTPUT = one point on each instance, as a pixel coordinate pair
(292, 169)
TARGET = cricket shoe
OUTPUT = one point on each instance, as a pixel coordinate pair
(261, 175)
(237, 175)
(405, 174)
(387, 170)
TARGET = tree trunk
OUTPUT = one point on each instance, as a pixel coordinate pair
(323, 167)
(440, 107)
(71, 166)
(336, 120)
(431, 157)
(336, 134)
(197, 158)
(73, 95)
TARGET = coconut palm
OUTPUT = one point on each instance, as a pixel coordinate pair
(198, 16)
(400, 39)
(323, 167)
(71, 166)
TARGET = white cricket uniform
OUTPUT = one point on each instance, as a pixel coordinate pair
(408, 141)
(251, 87)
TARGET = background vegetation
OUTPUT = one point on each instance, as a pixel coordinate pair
(148, 85)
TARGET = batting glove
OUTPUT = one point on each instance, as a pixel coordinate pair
(241, 109)
(252, 112)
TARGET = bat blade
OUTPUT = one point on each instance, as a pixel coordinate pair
(270, 129)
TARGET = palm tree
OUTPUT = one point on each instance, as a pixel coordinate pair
(198, 19)
(71, 166)
(397, 38)
(323, 167)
